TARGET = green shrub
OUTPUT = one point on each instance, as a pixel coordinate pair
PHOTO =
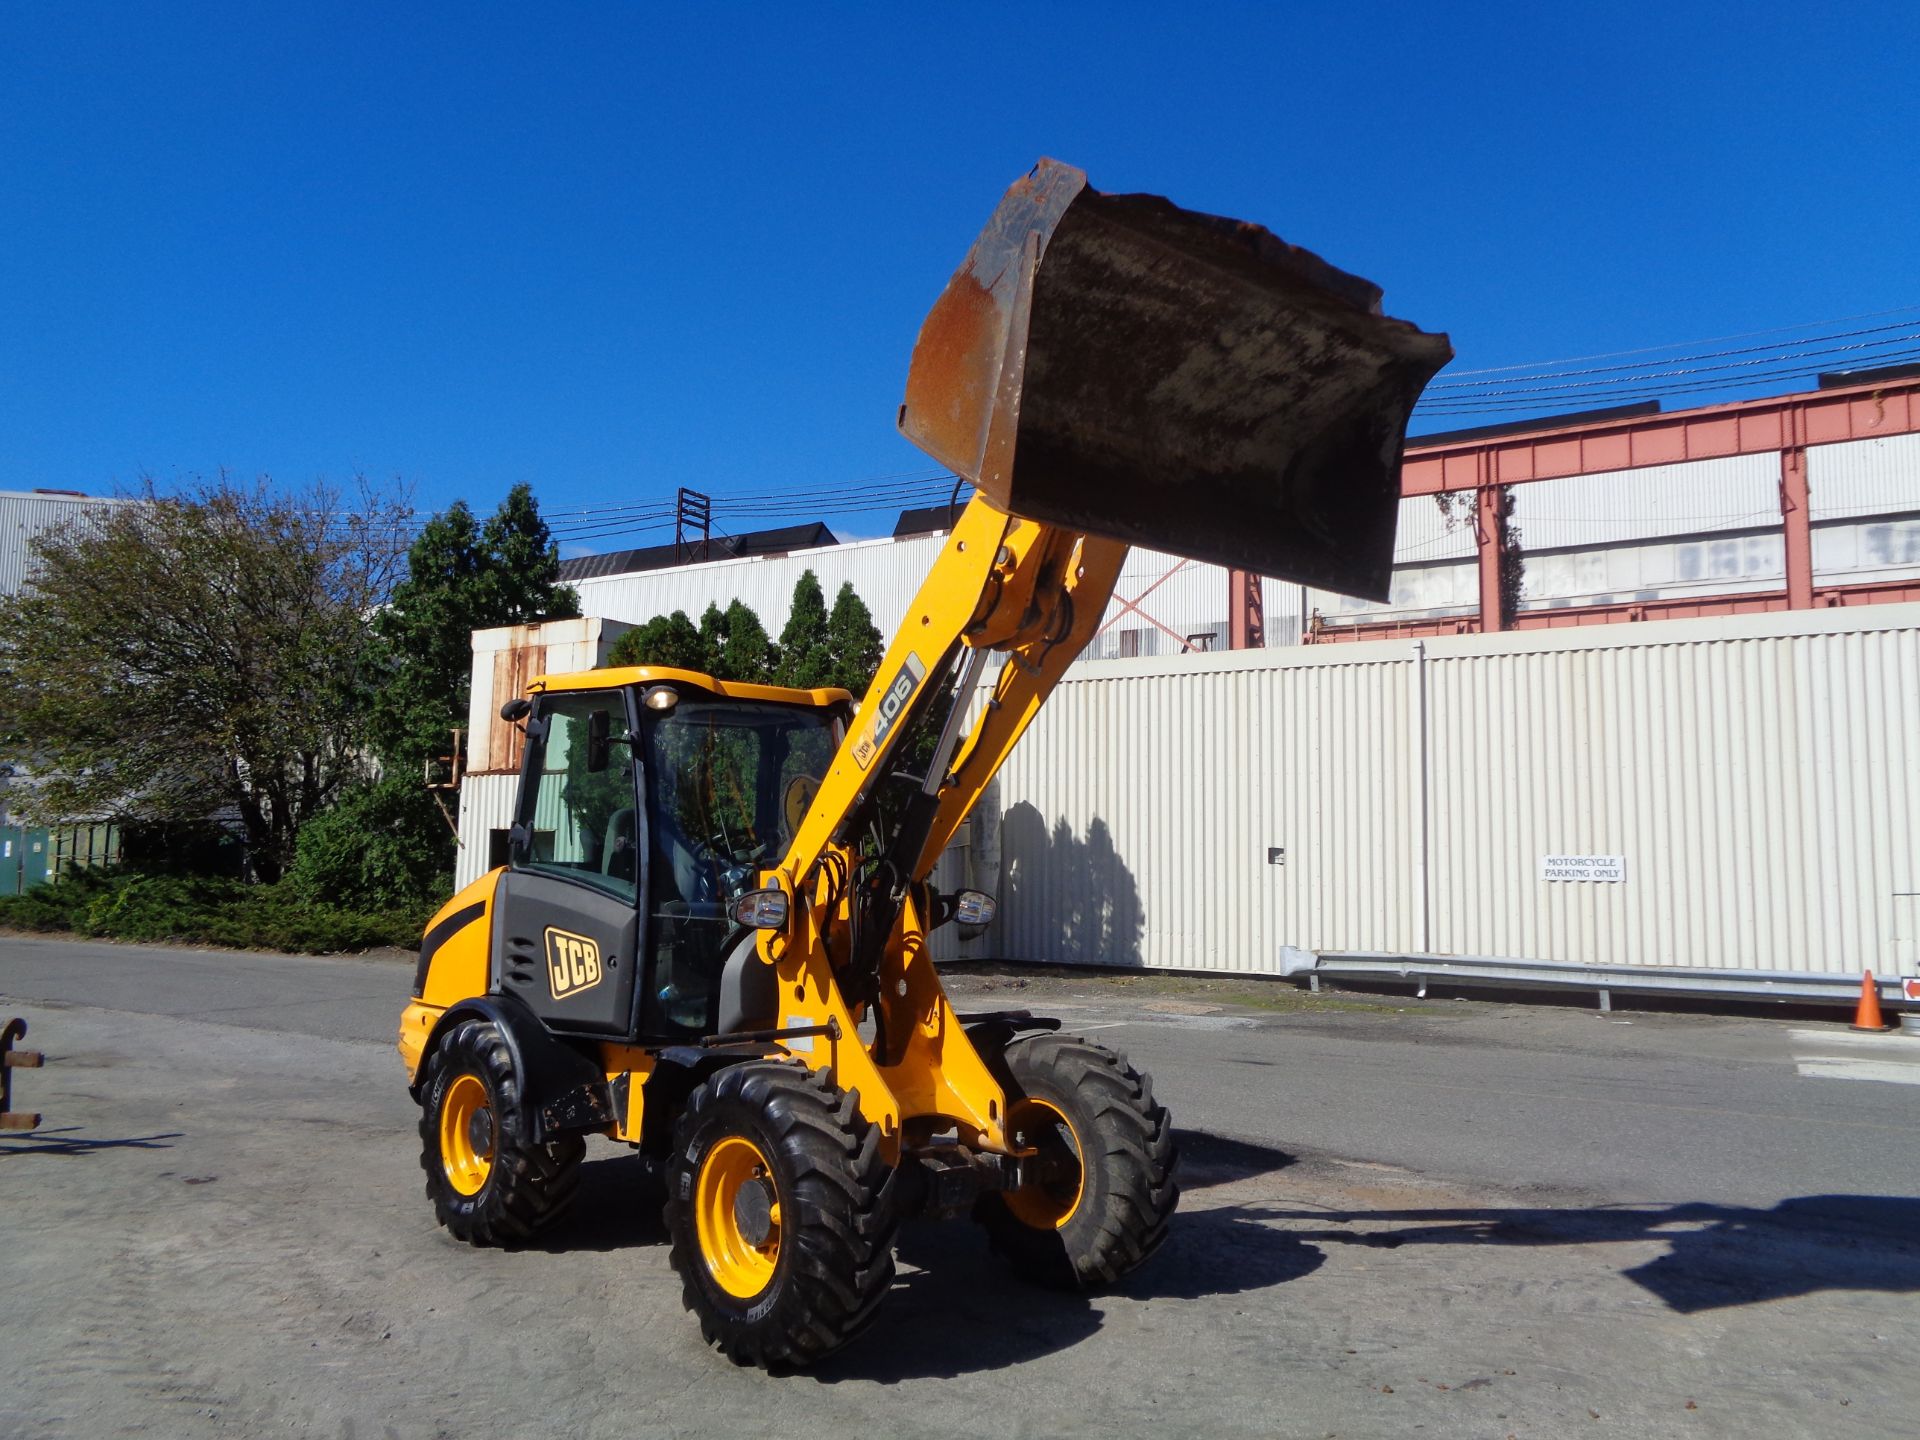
(381, 847)
(140, 905)
(54, 906)
(157, 907)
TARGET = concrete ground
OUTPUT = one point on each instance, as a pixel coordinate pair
(1449, 1219)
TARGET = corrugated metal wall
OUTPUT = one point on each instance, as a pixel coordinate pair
(1654, 533)
(486, 805)
(23, 517)
(1760, 773)
(1865, 501)
(1135, 819)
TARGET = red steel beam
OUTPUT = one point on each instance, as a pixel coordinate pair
(1746, 427)
(1785, 425)
(1795, 525)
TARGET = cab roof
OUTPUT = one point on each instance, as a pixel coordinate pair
(620, 676)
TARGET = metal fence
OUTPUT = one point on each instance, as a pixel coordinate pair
(31, 855)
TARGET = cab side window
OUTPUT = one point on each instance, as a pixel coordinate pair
(577, 815)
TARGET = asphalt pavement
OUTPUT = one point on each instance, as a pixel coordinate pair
(1459, 1218)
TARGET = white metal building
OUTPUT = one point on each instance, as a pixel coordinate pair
(1755, 777)
(26, 515)
(1729, 782)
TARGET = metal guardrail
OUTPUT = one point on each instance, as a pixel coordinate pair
(1605, 980)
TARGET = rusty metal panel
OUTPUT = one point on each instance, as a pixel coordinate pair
(506, 659)
(513, 669)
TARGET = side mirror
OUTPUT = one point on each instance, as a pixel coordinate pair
(761, 910)
(974, 907)
(599, 743)
(515, 711)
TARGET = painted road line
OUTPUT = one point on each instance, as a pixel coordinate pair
(1836, 1054)
(1894, 1042)
(1892, 1072)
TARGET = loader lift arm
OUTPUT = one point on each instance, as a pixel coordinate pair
(1104, 369)
(1037, 593)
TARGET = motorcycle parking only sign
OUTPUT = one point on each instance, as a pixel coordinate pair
(1608, 868)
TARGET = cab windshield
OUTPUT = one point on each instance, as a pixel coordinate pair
(730, 784)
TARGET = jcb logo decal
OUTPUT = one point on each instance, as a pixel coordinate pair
(573, 963)
(893, 705)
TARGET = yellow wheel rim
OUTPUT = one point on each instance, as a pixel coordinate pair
(1049, 1203)
(467, 1134)
(737, 1213)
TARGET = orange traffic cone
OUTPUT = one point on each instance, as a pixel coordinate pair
(1866, 1015)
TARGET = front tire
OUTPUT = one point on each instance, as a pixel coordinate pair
(489, 1183)
(779, 1214)
(1107, 1193)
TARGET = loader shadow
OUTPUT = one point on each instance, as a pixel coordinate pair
(959, 1309)
(64, 1141)
(1078, 892)
(1718, 1256)
(617, 1208)
(1207, 1159)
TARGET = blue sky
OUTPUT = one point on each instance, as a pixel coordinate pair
(611, 249)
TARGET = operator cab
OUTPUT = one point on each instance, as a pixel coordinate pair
(650, 799)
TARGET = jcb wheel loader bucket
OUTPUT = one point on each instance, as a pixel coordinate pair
(1115, 364)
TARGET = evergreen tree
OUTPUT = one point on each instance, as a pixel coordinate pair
(745, 651)
(713, 635)
(669, 640)
(853, 643)
(804, 659)
(462, 576)
(818, 647)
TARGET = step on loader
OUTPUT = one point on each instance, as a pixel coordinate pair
(710, 938)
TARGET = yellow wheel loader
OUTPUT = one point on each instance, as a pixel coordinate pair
(710, 938)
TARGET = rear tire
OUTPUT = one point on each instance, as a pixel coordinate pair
(489, 1183)
(779, 1214)
(1089, 1223)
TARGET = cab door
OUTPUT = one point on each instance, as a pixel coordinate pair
(567, 912)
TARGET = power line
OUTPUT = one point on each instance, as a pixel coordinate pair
(1679, 344)
(1492, 405)
(1646, 365)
